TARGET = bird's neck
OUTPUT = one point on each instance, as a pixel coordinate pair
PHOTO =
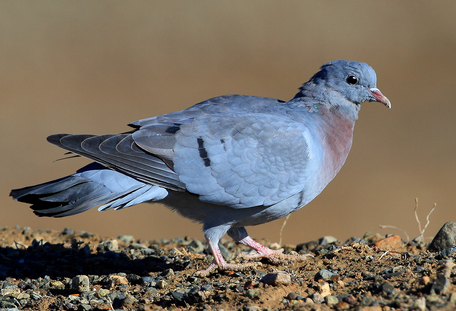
(336, 134)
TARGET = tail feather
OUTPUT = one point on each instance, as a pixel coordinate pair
(91, 186)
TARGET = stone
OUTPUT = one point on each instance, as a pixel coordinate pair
(126, 238)
(386, 288)
(391, 242)
(134, 278)
(162, 284)
(118, 280)
(393, 271)
(129, 300)
(292, 296)
(168, 273)
(178, 295)
(85, 307)
(327, 240)
(331, 300)
(323, 274)
(343, 306)
(367, 301)
(440, 285)
(109, 245)
(56, 285)
(323, 289)
(420, 303)
(225, 252)
(21, 296)
(7, 285)
(254, 293)
(67, 231)
(9, 291)
(7, 305)
(197, 246)
(149, 280)
(424, 280)
(85, 234)
(445, 238)
(280, 278)
(275, 246)
(368, 276)
(102, 292)
(317, 298)
(138, 246)
(80, 283)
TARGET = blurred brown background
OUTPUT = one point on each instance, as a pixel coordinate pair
(93, 67)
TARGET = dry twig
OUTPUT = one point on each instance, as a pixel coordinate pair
(281, 229)
(421, 237)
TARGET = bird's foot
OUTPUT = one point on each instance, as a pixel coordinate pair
(273, 256)
(227, 267)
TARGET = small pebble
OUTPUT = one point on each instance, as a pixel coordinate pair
(67, 231)
(109, 245)
(56, 285)
(386, 288)
(424, 280)
(292, 296)
(327, 240)
(126, 238)
(118, 280)
(162, 284)
(129, 301)
(440, 285)
(102, 292)
(225, 252)
(280, 278)
(197, 246)
(323, 289)
(275, 246)
(331, 300)
(317, 298)
(389, 243)
(254, 293)
(323, 274)
(80, 283)
(420, 304)
(343, 306)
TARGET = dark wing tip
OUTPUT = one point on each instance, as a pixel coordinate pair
(55, 138)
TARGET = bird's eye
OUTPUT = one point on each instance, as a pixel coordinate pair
(352, 80)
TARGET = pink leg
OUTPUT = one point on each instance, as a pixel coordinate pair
(240, 235)
(274, 256)
(262, 250)
(220, 263)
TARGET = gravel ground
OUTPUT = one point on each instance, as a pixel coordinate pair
(68, 270)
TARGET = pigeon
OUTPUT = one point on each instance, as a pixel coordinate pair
(227, 162)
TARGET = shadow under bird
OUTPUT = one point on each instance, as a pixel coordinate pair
(228, 162)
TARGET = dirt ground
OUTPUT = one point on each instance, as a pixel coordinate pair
(68, 270)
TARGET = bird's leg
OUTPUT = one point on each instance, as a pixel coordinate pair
(274, 256)
(219, 262)
(262, 251)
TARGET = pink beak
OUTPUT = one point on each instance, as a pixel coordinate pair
(380, 97)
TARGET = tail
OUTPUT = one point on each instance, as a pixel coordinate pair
(91, 186)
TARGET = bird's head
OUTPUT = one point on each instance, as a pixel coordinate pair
(355, 81)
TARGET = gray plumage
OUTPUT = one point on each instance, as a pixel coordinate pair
(228, 162)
